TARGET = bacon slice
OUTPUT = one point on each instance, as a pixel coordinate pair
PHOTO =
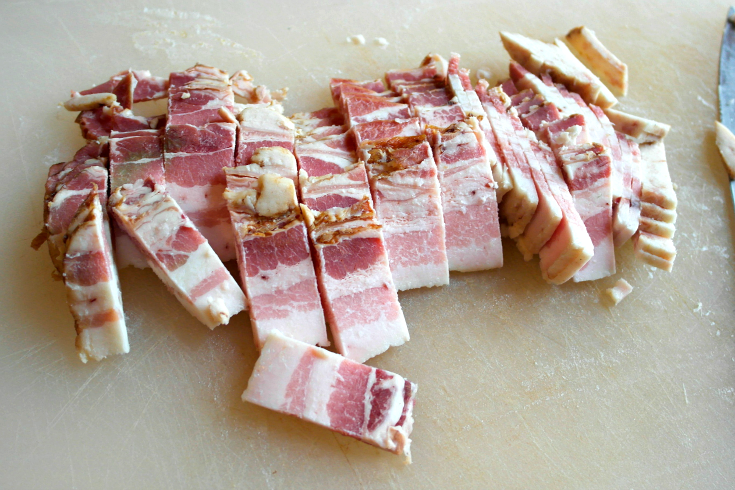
(360, 300)
(199, 143)
(403, 183)
(273, 249)
(353, 273)
(642, 130)
(653, 242)
(599, 59)
(146, 86)
(556, 59)
(92, 285)
(179, 255)
(134, 155)
(468, 198)
(367, 403)
(67, 186)
(262, 126)
(520, 202)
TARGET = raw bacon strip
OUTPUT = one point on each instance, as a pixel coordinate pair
(178, 254)
(134, 155)
(273, 250)
(359, 298)
(539, 57)
(92, 285)
(520, 202)
(587, 167)
(405, 191)
(315, 385)
(642, 130)
(67, 186)
(653, 242)
(199, 143)
(468, 198)
(602, 62)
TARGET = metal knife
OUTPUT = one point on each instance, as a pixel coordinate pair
(726, 91)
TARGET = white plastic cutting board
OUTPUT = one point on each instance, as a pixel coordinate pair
(521, 384)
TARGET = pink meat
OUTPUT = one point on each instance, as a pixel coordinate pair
(147, 87)
(369, 404)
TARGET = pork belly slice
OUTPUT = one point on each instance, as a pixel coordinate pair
(653, 242)
(67, 186)
(520, 202)
(262, 126)
(331, 154)
(134, 155)
(199, 143)
(468, 198)
(366, 108)
(92, 285)
(273, 252)
(407, 199)
(601, 61)
(179, 255)
(367, 403)
(358, 294)
(539, 57)
(339, 190)
(194, 159)
(642, 130)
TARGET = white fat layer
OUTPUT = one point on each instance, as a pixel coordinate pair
(88, 102)
(277, 195)
(263, 117)
(382, 114)
(282, 278)
(198, 197)
(364, 341)
(420, 275)
(620, 290)
(306, 326)
(275, 157)
(272, 373)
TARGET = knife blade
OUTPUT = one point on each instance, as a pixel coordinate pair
(726, 93)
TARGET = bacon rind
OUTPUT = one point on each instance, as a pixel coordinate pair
(92, 285)
(178, 254)
(321, 387)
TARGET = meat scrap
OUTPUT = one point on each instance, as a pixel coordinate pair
(539, 57)
(619, 291)
(179, 255)
(595, 56)
(367, 403)
(273, 253)
(92, 285)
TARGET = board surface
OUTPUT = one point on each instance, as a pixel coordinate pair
(521, 384)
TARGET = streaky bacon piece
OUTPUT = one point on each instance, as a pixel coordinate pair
(587, 166)
(273, 254)
(67, 186)
(468, 198)
(134, 155)
(179, 255)
(404, 186)
(367, 403)
(199, 143)
(653, 242)
(92, 285)
(242, 86)
(338, 190)
(520, 202)
(619, 291)
(358, 294)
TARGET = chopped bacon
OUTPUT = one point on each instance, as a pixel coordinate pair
(404, 186)
(92, 286)
(619, 291)
(603, 63)
(262, 126)
(540, 58)
(273, 250)
(67, 186)
(178, 254)
(367, 403)
(146, 86)
(198, 144)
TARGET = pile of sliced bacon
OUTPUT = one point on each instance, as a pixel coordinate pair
(330, 213)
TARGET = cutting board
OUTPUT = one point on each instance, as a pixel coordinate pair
(521, 384)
